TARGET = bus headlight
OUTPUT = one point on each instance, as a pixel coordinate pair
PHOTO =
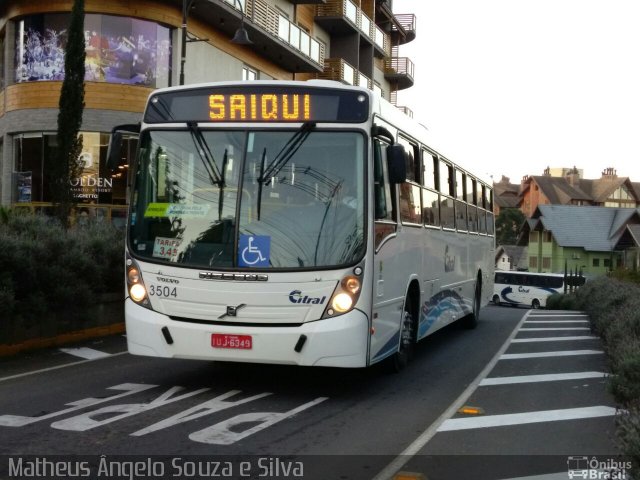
(138, 292)
(346, 294)
(135, 286)
(342, 302)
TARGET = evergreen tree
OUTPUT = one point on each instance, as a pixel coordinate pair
(508, 224)
(66, 164)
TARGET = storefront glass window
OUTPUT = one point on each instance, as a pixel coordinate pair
(96, 183)
(119, 50)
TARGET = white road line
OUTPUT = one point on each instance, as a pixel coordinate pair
(489, 421)
(564, 353)
(553, 339)
(86, 353)
(43, 370)
(414, 448)
(549, 476)
(552, 329)
(556, 321)
(540, 378)
(559, 315)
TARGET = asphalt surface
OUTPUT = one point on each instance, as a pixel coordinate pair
(263, 421)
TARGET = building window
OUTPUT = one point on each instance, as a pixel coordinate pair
(607, 262)
(96, 183)
(546, 262)
(547, 237)
(249, 73)
(596, 262)
(533, 262)
(118, 49)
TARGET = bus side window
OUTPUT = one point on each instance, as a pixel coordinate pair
(382, 190)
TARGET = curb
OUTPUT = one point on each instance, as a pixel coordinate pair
(62, 339)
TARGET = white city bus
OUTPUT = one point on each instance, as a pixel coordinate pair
(526, 288)
(304, 223)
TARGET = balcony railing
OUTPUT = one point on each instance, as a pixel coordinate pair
(272, 21)
(349, 11)
(399, 70)
(407, 22)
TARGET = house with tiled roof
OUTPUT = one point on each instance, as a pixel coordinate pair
(570, 189)
(590, 239)
(505, 195)
(511, 257)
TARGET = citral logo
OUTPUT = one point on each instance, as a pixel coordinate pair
(297, 297)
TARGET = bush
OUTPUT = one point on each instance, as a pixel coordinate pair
(48, 272)
(558, 301)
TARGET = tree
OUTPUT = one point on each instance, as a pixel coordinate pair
(508, 225)
(66, 164)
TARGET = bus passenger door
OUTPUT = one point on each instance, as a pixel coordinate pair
(388, 291)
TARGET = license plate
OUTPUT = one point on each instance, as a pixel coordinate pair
(240, 342)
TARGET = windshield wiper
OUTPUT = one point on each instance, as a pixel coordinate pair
(286, 153)
(205, 155)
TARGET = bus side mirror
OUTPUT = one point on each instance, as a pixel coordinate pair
(116, 141)
(397, 163)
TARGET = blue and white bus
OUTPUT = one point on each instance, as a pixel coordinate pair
(526, 288)
(307, 223)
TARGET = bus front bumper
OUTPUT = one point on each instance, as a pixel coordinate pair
(341, 341)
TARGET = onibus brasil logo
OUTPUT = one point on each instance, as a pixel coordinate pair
(593, 468)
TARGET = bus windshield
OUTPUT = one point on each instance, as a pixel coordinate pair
(249, 198)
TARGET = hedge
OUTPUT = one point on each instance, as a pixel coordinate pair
(51, 278)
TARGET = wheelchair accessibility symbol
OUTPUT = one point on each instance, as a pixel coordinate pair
(254, 250)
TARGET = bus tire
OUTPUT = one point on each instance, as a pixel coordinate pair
(408, 334)
(471, 321)
(535, 304)
(496, 300)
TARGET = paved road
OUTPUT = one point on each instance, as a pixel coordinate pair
(333, 423)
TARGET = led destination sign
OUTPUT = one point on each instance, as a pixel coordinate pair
(245, 103)
(264, 107)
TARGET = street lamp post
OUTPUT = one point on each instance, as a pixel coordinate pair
(186, 6)
(241, 36)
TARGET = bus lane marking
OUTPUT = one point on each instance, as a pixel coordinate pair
(225, 432)
(553, 339)
(540, 378)
(222, 433)
(563, 353)
(209, 407)
(525, 418)
(86, 421)
(85, 352)
(556, 321)
(128, 388)
(552, 329)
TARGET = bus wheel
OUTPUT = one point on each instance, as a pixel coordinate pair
(535, 304)
(407, 341)
(496, 300)
(471, 320)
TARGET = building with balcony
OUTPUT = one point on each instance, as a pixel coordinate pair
(135, 47)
